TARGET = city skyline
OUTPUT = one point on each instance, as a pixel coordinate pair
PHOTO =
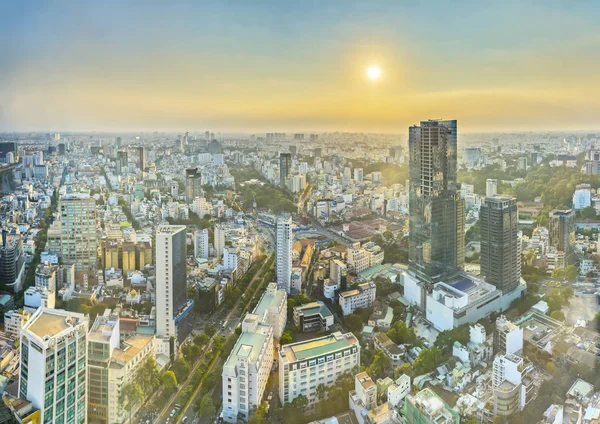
(273, 66)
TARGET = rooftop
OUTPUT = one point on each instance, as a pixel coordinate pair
(272, 297)
(131, 347)
(319, 346)
(169, 229)
(248, 346)
(314, 308)
(50, 322)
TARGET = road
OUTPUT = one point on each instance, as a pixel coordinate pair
(233, 322)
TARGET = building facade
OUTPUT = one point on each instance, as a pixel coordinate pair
(362, 296)
(272, 309)
(53, 373)
(500, 255)
(284, 253)
(314, 316)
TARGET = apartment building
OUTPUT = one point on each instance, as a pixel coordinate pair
(272, 309)
(303, 366)
(313, 316)
(361, 297)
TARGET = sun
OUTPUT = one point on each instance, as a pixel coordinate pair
(373, 72)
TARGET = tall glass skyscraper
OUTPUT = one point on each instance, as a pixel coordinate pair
(436, 242)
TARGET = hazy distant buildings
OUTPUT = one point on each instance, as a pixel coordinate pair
(582, 198)
(491, 187)
(436, 240)
(472, 156)
(193, 184)
(500, 256)
(141, 159)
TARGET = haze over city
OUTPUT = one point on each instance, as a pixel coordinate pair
(298, 66)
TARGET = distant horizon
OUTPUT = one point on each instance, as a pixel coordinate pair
(269, 65)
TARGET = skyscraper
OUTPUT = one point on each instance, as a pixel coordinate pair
(193, 184)
(285, 167)
(78, 231)
(500, 257)
(171, 292)
(122, 162)
(219, 241)
(284, 253)
(12, 261)
(436, 241)
(562, 230)
(201, 243)
(141, 159)
(53, 373)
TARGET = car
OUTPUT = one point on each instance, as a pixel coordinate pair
(177, 406)
(184, 420)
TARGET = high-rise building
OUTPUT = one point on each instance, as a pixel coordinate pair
(285, 167)
(122, 162)
(500, 256)
(436, 241)
(78, 231)
(193, 185)
(246, 371)
(171, 285)
(561, 228)
(582, 198)
(272, 309)
(472, 156)
(491, 187)
(358, 175)
(284, 253)
(12, 262)
(201, 243)
(219, 242)
(141, 159)
(53, 373)
(8, 147)
(111, 366)
(324, 358)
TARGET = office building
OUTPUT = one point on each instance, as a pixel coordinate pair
(436, 240)
(582, 198)
(219, 240)
(247, 369)
(53, 373)
(122, 162)
(500, 254)
(8, 147)
(111, 366)
(313, 316)
(491, 187)
(561, 227)
(12, 261)
(303, 366)
(508, 337)
(193, 185)
(285, 168)
(362, 296)
(141, 159)
(77, 228)
(472, 156)
(201, 246)
(284, 253)
(171, 285)
(272, 309)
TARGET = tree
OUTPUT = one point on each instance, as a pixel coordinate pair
(300, 402)
(405, 368)
(205, 406)
(131, 394)
(380, 365)
(550, 367)
(181, 368)
(191, 352)
(558, 315)
(148, 376)
(260, 416)
(570, 272)
(210, 330)
(428, 360)
(353, 322)
(400, 334)
(588, 212)
(558, 273)
(321, 391)
(286, 338)
(169, 381)
(200, 340)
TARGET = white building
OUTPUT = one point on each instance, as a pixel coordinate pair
(230, 258)
(512, 386)
(399, 390)
(284, 253)
(219, 241)
(464, 299)
(357, 258)
(364, 396)
(582, 198)
(491, 187)
(35, 298)
(508, 337)
(272, 309)
(54, 349)
(361, 297)
(329, 288)
(14, 320)
(247, 369)
(337, 271)
(303, 366)
(201, 247)
(171, 284)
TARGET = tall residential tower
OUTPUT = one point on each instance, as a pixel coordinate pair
(284, 253)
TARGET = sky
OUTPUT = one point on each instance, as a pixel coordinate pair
(252, 66)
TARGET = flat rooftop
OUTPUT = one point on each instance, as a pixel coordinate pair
(318, 347)
(269, 299)
(170, 229)
(48, 324)
(248, 346)
(314, 308)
